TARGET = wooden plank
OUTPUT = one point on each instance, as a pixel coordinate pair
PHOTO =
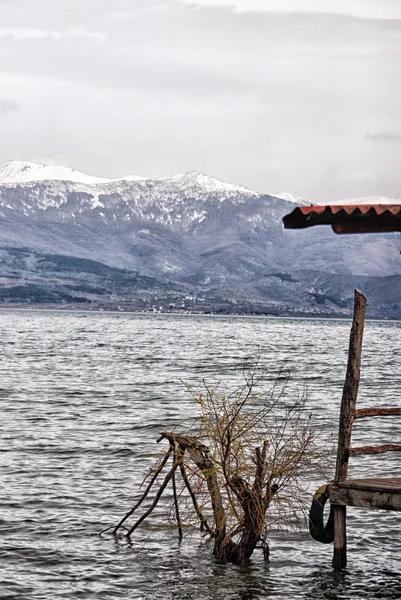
(362, 498)
(350, 392)
(392, 484)
(376, 412)
(376, 449)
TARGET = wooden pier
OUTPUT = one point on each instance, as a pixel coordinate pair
(384, 494)
(367, 493)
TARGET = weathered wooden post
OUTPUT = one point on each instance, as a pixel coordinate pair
(347, 415)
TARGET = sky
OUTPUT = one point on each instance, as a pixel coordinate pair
(301, 96)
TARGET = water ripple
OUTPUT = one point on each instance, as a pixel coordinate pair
(82, 401)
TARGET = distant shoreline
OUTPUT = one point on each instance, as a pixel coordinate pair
(187, 313)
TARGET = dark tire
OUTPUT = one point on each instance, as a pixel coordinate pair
(318, 530)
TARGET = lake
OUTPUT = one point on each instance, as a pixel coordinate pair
(83, 397)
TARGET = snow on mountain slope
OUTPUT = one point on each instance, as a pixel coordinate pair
(290, 197)
(60, 181)
(345, 201)
(19, 172)
(23, 172)
(194, 179)
(366, 200)
(180, 200)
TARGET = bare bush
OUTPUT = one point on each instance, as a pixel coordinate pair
(242, 467)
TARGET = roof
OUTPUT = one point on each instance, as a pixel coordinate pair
(361, 218)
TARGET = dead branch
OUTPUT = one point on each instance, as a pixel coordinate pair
(146, 492)
(177, 462)
(155, 501)
(203, 522)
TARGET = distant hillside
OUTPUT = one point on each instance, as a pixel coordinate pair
(186, 242)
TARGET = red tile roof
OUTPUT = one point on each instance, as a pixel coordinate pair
(361, 218)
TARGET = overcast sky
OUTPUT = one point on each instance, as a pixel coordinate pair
(302, 96)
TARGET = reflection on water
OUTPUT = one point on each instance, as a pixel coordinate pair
(82, 399)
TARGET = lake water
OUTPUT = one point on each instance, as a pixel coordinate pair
(82, 399)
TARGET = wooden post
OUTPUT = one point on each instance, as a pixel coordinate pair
(347, 415)
(340, 536)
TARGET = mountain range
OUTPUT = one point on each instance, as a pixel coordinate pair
(187, 242)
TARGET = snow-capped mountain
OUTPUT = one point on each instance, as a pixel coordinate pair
(344, 201)
(290, 197)
(43, 187)
(367, 200)
(22, 172)
(18, 172)
(68, 237)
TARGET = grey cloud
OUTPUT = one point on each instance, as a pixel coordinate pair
(90, 62)
(199, 50)
(271, 100)
(8, 106)
(384, 136)
(26, 34)
(58, 15)
(381, 9)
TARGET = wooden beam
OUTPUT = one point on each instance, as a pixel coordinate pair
(375, 449)
(343, 496)
(376, 412)
(389, 484)
(350, 392)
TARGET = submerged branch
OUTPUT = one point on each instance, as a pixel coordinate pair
(199, 514)
(147, 490)
(155, 501)
(177, 461)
